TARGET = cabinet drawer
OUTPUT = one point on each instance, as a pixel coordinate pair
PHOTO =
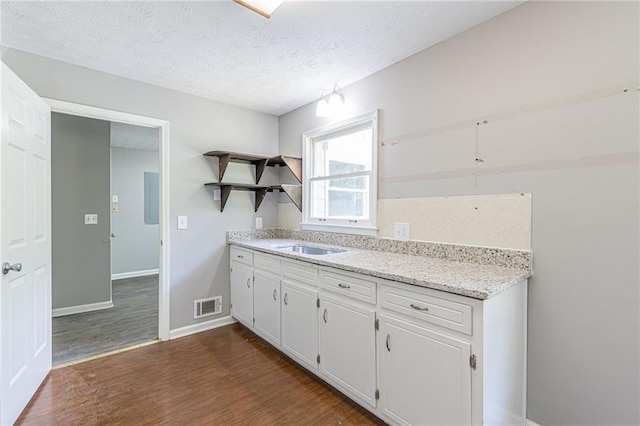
(445, 313)
(348, 285)
(266, 263)
(300, 272)
(242, 256)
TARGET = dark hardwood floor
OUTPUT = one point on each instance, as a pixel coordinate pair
(226, 376)
(132, 320)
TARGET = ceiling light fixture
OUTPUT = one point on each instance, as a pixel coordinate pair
(331, 107)
(262, 7)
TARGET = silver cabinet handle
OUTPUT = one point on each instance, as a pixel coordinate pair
(274, 294)
(324, 315)
(286, 298)
(419, 308)
(248, 282)
(240, 256)
(388, 342)
(6, 267)
(344, 285)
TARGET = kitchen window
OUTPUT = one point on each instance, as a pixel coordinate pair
(340, 176)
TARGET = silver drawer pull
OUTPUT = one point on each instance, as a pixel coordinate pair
(248, 282)
(388, 342)
(240, 256)
(286, 298)
(324, 315)
(419, 308)
(275, 294)
(344, 285)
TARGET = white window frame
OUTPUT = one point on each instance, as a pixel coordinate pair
(361, 227)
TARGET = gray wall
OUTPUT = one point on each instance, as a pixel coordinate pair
(136, 246)
(79, 185)
(548, 77)
(199, 255)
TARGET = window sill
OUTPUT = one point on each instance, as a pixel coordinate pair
(342, 229)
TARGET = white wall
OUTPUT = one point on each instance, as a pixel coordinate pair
(136, 245)
(548, 77)
(199, 255)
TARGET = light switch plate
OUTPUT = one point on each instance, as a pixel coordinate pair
(114, 199)
(91, 219)
(258, 223)
(182, 222)
(401, 231)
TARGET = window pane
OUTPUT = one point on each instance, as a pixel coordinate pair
(348, 153)
(340, 198)
(353, 183)
(346, 204)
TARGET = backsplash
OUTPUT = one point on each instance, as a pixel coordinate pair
(520, 259)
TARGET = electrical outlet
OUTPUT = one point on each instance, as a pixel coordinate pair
(258, 223)
(401, 231)
(91, 219)
(114, 199)
(182, 222)
(114, 208)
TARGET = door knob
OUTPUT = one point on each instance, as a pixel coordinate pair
(6, 267)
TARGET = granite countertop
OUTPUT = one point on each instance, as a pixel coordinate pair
(480, 281)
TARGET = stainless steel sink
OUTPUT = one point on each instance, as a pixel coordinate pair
(305, 249)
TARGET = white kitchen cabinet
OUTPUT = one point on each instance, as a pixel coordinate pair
(425, 376)
(348, 347)
(300, 322)
(266, 305)
(242, 292)
(436, 358)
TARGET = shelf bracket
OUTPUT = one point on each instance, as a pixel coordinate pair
(260, 165)
(224, 196)
(223, 162)
(295, 165)
(260, 193)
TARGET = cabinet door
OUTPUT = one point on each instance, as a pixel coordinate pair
(300, 322)
(242, 293)
(266, 305)
(425, 377)
(348, 348)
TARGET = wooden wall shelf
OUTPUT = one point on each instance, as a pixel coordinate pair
(294, 192)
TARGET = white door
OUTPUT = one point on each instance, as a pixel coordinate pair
(299, 322)
(25, 234)
(242, 293)
(348, 347)
(425, 376)
(266, 305)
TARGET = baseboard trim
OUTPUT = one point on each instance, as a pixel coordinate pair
(134, 274)
(200, 327)
(78, 309)
(532, 423)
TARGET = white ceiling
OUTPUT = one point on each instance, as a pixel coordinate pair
(134, 137)
(222, 51)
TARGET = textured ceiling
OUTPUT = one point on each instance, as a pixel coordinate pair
(222, 51)
(134, 137)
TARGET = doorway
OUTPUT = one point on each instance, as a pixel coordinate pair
(145, 282)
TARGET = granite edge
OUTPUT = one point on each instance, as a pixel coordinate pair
(508, 258)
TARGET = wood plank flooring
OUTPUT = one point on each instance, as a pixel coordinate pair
(226, 376)
(132, 320)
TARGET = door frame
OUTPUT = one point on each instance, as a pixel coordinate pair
(80, 110)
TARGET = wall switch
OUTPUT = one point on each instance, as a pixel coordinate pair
(258, 223)
(114, 199)
(91, 219)
(182, 222)
(401, 231)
